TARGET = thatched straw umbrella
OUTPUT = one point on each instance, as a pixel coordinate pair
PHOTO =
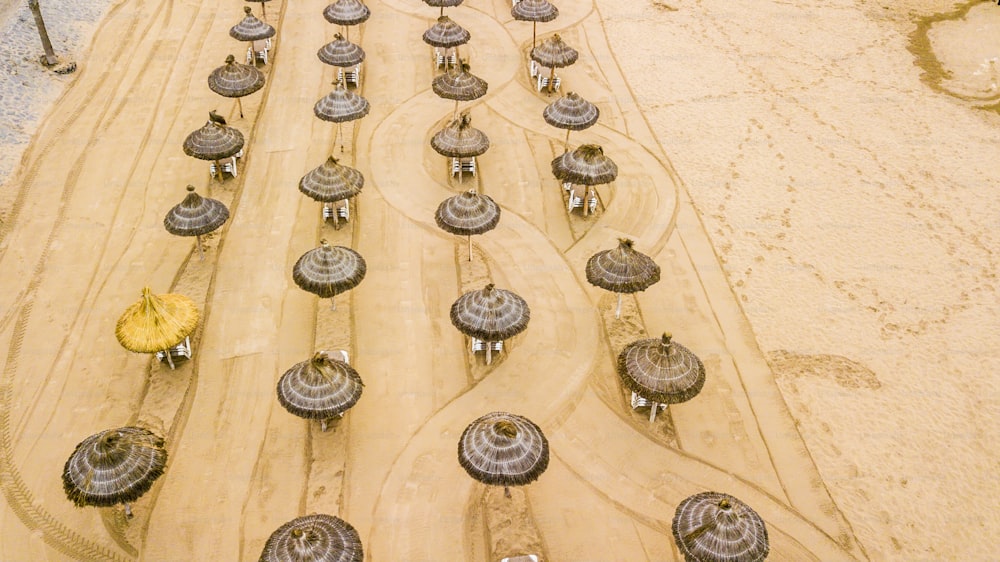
(194, 216)
(157, 323)
(490, 315)
(235, 80)
(459, 84)
(554, 53)
(263, 12)
(442, 4)
(347, 13)
(446, 34)
(501, 449)
(331, 182)
(534, 11)
(459, 139)
(622, 270)
(314, 538)
(319, 389)
(571, 112)
(214, 141)
(661, 371)
(114, 466)
(466, 214)
(341, 53)
(251, 29)
(716, 527)
(329, 270)
(586, 165)
(341, 106)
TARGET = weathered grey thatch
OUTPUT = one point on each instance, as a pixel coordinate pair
(459, 139)
(235, 80)
(442, 3)
(251, 28)
(716, 527)
(347, 12)
(114, 466)
(490, 314)
(319, 388)
(341, 52)
(554, 53)
(661, 370)
(585, 165)
(314, 538)
(501, 449)
(446, 34)
(468, 213)
(459, 84)
(534, 10)
(329, 270)
(571, 112)
(214, 141)
(340, 106)
(196, 215)
(332, 182)
(622, 269)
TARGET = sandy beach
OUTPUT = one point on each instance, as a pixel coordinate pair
(816, 181)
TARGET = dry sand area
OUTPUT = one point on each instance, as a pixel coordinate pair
(823, 209)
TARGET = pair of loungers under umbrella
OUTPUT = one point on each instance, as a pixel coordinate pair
(215, 142)
(445, 34)
(253, 30)
(341, 106)
(459, 84)
(460, 141)
(553, 53)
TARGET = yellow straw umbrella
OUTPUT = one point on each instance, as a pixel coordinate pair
(157, 323)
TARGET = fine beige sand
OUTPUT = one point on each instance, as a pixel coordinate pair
(817, 182)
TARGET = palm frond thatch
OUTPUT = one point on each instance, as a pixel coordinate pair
(314, 538)
(341, 52)
(114, 466)
(332, 181)
(214, 141)
(443, 3)
(459, 139)
(534, 10)
(347, 12)
(319, 388)
(554, 53)
(571, 112)
(490, 314)
(502, 449)
(716, 526)
(661, 370)
(446, 34)
(156, 322)
(340, 106)
(622, 269)
(235, 80)
(251, 28)
(459, 84)
(467, 214)
(196, 215)
(329, 270)
(586, 165)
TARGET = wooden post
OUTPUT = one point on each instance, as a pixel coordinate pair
(470, 247)
(49, 58)
(201, 253)
(566, 142)
(652, 412)
(218, 170)
(552, 79)
(239, 103)
(534, 27)
(489, 353)
(618, 311)
(170, 360)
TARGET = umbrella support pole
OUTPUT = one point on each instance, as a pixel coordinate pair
(263, 12)
(506, 492)
(442, 12)
(128, 511)
(566, 141)
(170, 360)
(652, 412)
(552, 79)
(324, 425)
(239, 102)
(453, 117)
(201, 252)
(340, 135)
(333, 302)
(534, 27)
(470, 247)
(618, 311)
(218, 171)
(489, 354)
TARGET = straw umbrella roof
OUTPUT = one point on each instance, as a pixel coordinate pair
(214, 141)
(156, 322)
(459, 84)
(661, 370)
(341, 52)
(235, 80)
(251, 28)
(446, 33)
(329, 270)
(347, 12)
(331, 182)
(490, 314)
(468, 213)
(554, 53)
(622, 269)
(571, 112)
(586, 165)
(196, 215)
(534, 10)
(319, 388)
(114, 466)
(501, 449)
(340, 106)
(459, 139)
(314, 538)
(442, 3)
(712, 526)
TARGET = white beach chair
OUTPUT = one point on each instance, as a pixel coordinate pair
(465, 165)
(521, 558)
(350, 76)
(181, 350)
(333, 355)
(337, 211)
(654, 407)
(228, 167)
(258, 51)
(533, 68)
(568, 186)
(577, 194)
(543, 79)
(480, 345)
(446, 58)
